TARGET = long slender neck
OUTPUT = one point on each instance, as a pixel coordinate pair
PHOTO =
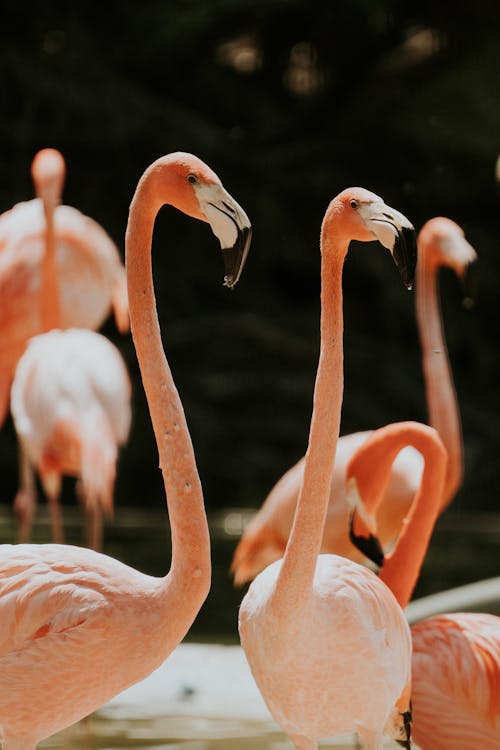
(439, 386)
(50, 308)
(304, 544)
(190, 567)
(402, 566)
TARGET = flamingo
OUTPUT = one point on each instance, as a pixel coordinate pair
(441, 243)
(90, 275)
(327, 644)
(70, 404)
(70, 397)
(48, 171)
(456, 656)
(78, 627)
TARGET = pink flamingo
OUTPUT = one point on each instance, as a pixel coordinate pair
(456, 657)
(326, 642)
(78, 626)
(70, 404)
(48, 171)
(90, 275)
(441, 243)
(70, 395)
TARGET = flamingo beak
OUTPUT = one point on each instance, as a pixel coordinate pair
(470, 283)
(405, 255)
(397, 234)
(369, 545)
(231, 226)
(235, 256)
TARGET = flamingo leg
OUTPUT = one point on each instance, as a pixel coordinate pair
(51, 481)
(25, 501)
(93, 532)
(93, 529)
(303, 743)
(371, 740)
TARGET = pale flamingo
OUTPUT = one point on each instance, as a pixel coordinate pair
(441, 243)
(326, 642)
(90, 277)
(78, 627)
(70, 405)
(48, 171)
(70, 396)
(456, 657)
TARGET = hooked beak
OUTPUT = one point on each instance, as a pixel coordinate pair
(369, 545)
(397, 234)
(231, 226)
(470, 283)
(235, 256)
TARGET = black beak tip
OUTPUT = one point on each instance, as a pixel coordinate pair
(235, 257)
(405, 255)
(470, 284)
(369, 546)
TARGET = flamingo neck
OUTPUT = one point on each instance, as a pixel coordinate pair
(402, 566)
(439, 386)
(304, 544)
(190, 566)
(50, 310)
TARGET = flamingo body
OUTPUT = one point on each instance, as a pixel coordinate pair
(90, 279)
(78, 627)
(456, 682)
(71, 409)
(350, 661)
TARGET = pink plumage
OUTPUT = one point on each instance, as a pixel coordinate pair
(456, 682)
(71, 408)
(90, 279)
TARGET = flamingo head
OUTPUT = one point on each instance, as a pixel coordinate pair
(441, 242)
(48, 171)
(364, 216)
(195, 189)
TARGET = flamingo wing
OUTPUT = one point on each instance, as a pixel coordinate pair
(46, 589)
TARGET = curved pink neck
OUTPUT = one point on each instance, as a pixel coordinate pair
(50, 308)
(304, 544)
(402, 566)
(440, 390)
(190, 568)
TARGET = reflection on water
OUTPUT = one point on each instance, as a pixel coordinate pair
(185, 733)
(188, 733)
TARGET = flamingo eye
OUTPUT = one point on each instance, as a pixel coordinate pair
(192, 179)
(354, 203)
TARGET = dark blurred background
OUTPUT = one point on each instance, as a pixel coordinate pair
(290, 102)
